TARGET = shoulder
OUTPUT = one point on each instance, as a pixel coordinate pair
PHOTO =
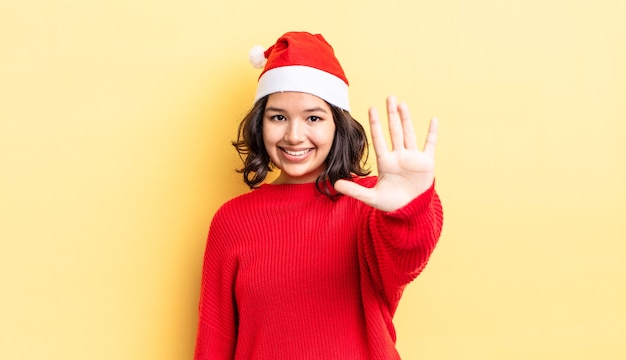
(233, 219)
(236, 205)
(252, 202)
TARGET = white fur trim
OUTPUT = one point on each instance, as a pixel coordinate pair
(257, 56)
(304, 79)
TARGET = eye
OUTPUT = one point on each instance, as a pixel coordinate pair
(278, 117)
(314, 118)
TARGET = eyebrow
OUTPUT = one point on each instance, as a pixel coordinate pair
(315, 109)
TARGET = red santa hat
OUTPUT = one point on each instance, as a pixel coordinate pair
(303, 62)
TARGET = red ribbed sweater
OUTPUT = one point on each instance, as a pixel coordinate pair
(290, 274)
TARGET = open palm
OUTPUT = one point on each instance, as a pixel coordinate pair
(405, 171)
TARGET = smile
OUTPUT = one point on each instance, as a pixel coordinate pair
(297, 153)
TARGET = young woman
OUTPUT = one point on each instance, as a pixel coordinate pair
(313, 265)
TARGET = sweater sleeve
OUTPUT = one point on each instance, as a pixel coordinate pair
(217, 323)
(398, 244)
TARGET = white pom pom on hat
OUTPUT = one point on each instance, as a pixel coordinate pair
(257, 56)
(301, 62)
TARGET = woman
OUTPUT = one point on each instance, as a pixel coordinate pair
(313, 265)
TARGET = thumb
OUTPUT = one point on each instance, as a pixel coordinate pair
(354, 190)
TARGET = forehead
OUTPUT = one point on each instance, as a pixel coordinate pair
(296, 101)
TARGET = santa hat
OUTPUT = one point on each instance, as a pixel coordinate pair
(303, 62)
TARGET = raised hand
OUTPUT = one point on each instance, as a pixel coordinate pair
(404, 172)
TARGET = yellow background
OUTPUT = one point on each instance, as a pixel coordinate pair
(115, 122)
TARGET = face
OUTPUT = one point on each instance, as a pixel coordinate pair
(298, 132)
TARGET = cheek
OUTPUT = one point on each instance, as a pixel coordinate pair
(327, 136)
(270, 139)
(268, 135)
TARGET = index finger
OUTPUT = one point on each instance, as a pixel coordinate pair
(378, 138)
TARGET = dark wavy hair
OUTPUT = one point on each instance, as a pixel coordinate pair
(348, 153)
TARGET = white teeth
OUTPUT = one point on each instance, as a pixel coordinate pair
(297, 153)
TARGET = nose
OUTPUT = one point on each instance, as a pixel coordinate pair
(294, 133)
